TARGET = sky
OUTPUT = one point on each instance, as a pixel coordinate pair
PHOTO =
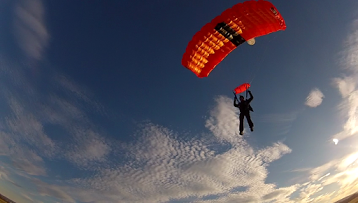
(95, 105)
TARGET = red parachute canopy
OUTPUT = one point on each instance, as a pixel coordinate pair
(242, 88)
(243, 22)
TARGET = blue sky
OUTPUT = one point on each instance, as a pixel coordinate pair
(95, 105)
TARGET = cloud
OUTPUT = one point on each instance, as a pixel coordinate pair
(314, 98)
(41, 127)
(87, 149)
(30, 28)
(53, 191)
(4, 173)
(30, 163)
(79, 93)
(347, 86)
(281, 123)
(35, 115)
(161, 166)
(6, 141)
(24, 160)
(26, 197)
(279, 118)
(282, 193)
(341, 172)
(224, 121)
(24, 125)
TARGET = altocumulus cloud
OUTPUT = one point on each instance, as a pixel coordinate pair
(161, 166)
(314, 98)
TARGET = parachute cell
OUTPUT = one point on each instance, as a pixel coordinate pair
(236, 25)
(242, 88)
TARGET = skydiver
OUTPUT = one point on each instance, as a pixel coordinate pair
(245, 108)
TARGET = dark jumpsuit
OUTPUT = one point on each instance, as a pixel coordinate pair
(245, 109)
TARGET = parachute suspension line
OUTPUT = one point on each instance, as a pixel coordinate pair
(246, 93)
(259, 62)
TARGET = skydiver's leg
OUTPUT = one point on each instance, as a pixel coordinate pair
(241, 123)
(249, 121)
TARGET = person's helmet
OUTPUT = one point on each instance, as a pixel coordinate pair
(242, 97)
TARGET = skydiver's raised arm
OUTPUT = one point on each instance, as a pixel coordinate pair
(251, 97)
(236, 102)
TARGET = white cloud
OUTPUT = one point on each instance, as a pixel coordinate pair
(63, 111)
(30, 28)
(25, 126)
(6, 142)
(160, 166)
(4, 173)
(347, 86)
(65, 108)
(27, 198)
(80, 93)
(224, 121)
(342, 171)
(314, 98)
(88, 149)
(28, 161)
(55, 191)
(279, 118)
(281, 124)
(280, 194)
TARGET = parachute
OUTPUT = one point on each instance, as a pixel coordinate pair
(241, 23)
(242, 88)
